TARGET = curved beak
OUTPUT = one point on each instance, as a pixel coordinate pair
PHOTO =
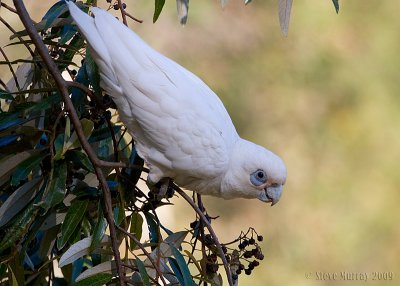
(271, 194)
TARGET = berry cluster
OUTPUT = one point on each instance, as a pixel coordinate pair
(116, 6)
(245, 253)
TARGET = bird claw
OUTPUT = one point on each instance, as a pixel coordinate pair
(162, 189)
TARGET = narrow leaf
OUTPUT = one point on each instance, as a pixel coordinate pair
(143, 272)
(73, 218)
(18, 200)
(336, 4)
(285, 6)
(19, 227)
(108, 267)
(26, 167)
(136, 228)
(98, 230)
(56, 188)
(79, 249)
(80, 159)
(97, 280)
(159, 5)
(187, 277)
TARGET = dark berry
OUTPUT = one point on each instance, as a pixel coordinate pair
(208, 240)
(241, 246)
(252, 241)
(213, 257)
(260, 238)
(238, 272)
(251, 266)
(107, 114)
(116, 7)
(123, 6)
(74, 72)
(259, 256)
(255, 263)
(234, 276)
(245, 243)
(193, 224)
(254, 251)
(212, 267)
(241, 266)
(247, 271)
(247, 254)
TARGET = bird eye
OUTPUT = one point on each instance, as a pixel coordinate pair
(258, 178)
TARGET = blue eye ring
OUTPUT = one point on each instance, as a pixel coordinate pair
(258, 178)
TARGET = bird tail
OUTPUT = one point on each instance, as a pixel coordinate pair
(100, 53)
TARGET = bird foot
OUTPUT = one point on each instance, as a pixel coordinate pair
(162, 189)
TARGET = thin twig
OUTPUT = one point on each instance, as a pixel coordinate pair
(11, 68)
(86, 90)
(18, 36)
(131, 236)
(210, 229)
(61, 84)
(9, 8)
(133, 18)
(123, 13)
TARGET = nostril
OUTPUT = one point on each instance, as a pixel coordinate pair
(274, 185)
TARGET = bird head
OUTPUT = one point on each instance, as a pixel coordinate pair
(254, 172)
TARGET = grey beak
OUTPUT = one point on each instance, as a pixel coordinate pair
(271, 194)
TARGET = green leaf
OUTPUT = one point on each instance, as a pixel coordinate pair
(18, 228)
(26, 167)
(153, 228)
(158, 6)
(73, 141)
(93, 73)
(73, 218)
(98, 230)
(103, 133)
(56, 188)
(143, 272)
(96, 280)
(54, 12)
(136, 228)
(187, 277)
(336, 4)
(5, 95)
(79, 159)
(119, 215)
(58, 146)
(18, 200)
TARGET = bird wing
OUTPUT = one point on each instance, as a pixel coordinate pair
(178, 122)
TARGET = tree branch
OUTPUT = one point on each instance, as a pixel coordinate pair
(62, 85)
(210, 229)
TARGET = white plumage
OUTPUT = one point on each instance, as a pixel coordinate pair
(180, 126)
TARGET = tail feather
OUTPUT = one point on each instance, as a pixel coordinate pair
(87, 27)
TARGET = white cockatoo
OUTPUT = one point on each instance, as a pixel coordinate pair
(180, 126)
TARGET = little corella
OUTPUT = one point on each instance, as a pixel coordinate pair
(180, 126)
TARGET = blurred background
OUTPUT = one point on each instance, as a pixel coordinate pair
(326, 99)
